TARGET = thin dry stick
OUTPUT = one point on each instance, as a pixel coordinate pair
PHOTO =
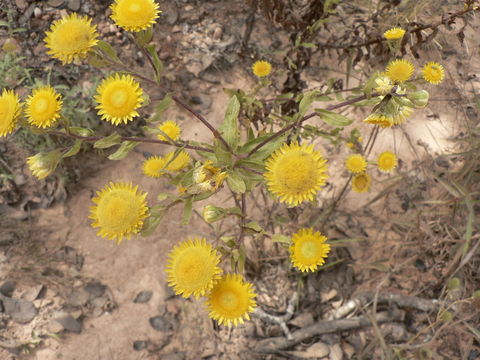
(128, 138)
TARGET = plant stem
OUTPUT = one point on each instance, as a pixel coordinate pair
(128, 138)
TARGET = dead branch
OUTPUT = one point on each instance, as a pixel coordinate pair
(273, 345)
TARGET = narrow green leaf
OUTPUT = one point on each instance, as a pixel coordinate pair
(74, 149)
(187, 210)
(81, 131)
(162, 106)
(235, 182)
(254, 226)
(307, 100)
(123, 150)
(223, 157)
(157, 63)
(108, 141)
(229, 127)
(280, 238)
(108, 50)
(151, 223)
(144, 37)
(332, 118)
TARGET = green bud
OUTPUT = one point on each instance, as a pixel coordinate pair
(419, 98)
(213, 213)
(454, 283)
(43, 164)
(446, 316)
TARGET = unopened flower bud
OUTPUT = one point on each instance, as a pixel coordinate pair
(43, 164)
(419, 98)
(213, 213)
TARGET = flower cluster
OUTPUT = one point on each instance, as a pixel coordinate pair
(193, 270)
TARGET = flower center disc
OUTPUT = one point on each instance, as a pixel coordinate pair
(192, 268)
(229, 300)
(297, 171)
(72, 35)
(119, 98)
(41, 105)
(134, 8)
(117, 212)
(308, 250)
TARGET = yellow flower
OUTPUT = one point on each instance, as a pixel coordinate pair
(394, 33)
(433, 72)
(179, 162)
(308, 250)
(154, 166)
(193, 267)
(361, 182)
(378, 119)
(399, 70)
(262, 68)
(134, 15)
(230, 300)
(70, 38)
(10, 109)
(207, 177)
(295, 173)
(43, 107)
(387, 161)
(119, 211)
(43, 164)
(118, 97)
(356, 163)
(171, 129)
(402, 113)
(384, 85)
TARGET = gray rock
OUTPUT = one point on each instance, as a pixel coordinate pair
(139, 345)
(78, 297)
(69, 323)
(55, 3)
(160, 323)
(143, 297)
(33, 293)
(73, 5)
(96, 288)
(21, 311)
(7, 288)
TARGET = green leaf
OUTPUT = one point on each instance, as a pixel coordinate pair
(235, 182)
(151, 223)
(254, 227)
(187, 210)
(268, 149)
(108, 141)
(308, 45)
(157, 63)
(123, 150)
(323, 98)
(229, 127)
(161, 107)
(283, 239)
(332, 118)
(307, 100)
(368, 88)
(74, 149)
(4, 23)
(144, 37)
(108, 50)
(223, 157)
(80, 131)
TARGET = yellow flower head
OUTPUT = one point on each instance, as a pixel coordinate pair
(433, 72)
(43, 107)
(387, 161)
(295, 173)
(43, 164)
(118, 97)
(171, 129)
(154, 166)
(208, 177)
(134, 15)
(394, 33)
(262, 68)
(356, 163)
(403, 112)
(10, 109)
(384, 85)
(230, 300)
(308, 250)
(193, 267)
(383, 121)
(177, 163)
(399, 70)
(361, 182)
(70, 38)
(119, 211)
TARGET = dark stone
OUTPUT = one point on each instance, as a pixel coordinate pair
(196, 100)
(78, 297)
(96, 288)
(21, 311)
(7, 288)
(143, 297)
(139, 345)
(159, 323)
(2, 309)
(69, 323)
